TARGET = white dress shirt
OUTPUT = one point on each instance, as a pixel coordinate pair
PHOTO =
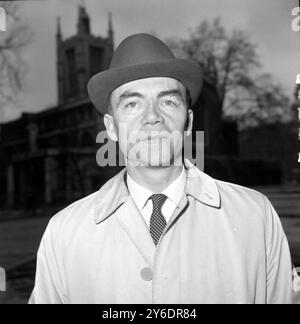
(141, 195)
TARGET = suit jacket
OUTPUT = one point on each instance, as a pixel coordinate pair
(223, 244)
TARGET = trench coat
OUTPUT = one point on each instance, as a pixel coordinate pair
(223, 244)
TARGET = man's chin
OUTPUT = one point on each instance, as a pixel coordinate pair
(159, 161)
(159, 164)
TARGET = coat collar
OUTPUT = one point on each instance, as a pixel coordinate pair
(201, 186)
(115, 193)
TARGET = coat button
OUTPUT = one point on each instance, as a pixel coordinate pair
(147, 274)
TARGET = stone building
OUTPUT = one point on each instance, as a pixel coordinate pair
(48, 158)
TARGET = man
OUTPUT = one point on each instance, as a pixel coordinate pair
(161, 231)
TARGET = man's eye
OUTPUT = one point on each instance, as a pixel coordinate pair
(168, 103)
(132, 104)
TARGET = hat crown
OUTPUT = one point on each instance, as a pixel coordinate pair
(142, 56)
(140, 49)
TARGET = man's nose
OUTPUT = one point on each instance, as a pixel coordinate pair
(153, 114)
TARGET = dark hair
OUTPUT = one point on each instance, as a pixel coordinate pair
(109, 107)
(188, 99)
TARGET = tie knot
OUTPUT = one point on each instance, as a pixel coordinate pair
(158, 200)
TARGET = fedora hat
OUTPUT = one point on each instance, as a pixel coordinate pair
(143, 56)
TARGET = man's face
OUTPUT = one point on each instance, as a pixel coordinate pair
(149, 117)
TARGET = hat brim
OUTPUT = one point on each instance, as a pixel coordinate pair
(101, 85)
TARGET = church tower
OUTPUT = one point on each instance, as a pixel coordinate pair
(81, 56)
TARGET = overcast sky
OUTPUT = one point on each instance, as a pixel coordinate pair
(268, 22)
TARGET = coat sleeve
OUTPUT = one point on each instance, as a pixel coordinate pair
(48, 287)
(281, 275)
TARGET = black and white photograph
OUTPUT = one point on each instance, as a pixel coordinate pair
(150, 154)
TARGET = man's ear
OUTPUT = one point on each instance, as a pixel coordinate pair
(189, 122)
(110, 127)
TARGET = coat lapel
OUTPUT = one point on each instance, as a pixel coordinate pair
(133, 223)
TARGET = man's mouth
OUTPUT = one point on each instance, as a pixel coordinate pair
(154, 138)
(151, 138)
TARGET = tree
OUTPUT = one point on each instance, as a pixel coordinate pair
(265, 102)
(12, 41)
(231, 62)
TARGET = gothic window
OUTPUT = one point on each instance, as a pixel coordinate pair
(64, 141)
(96, 60)
(72, 72)
(3, 179)
(87, 140)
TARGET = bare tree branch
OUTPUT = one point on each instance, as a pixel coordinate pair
(17, 36)
(230, 61)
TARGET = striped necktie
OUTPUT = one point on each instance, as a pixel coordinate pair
(157, 220)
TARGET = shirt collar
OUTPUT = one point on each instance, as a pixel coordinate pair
(115, 193)
(141, 194)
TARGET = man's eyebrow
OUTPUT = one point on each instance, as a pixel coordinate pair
(172, 92)
(129, 94)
